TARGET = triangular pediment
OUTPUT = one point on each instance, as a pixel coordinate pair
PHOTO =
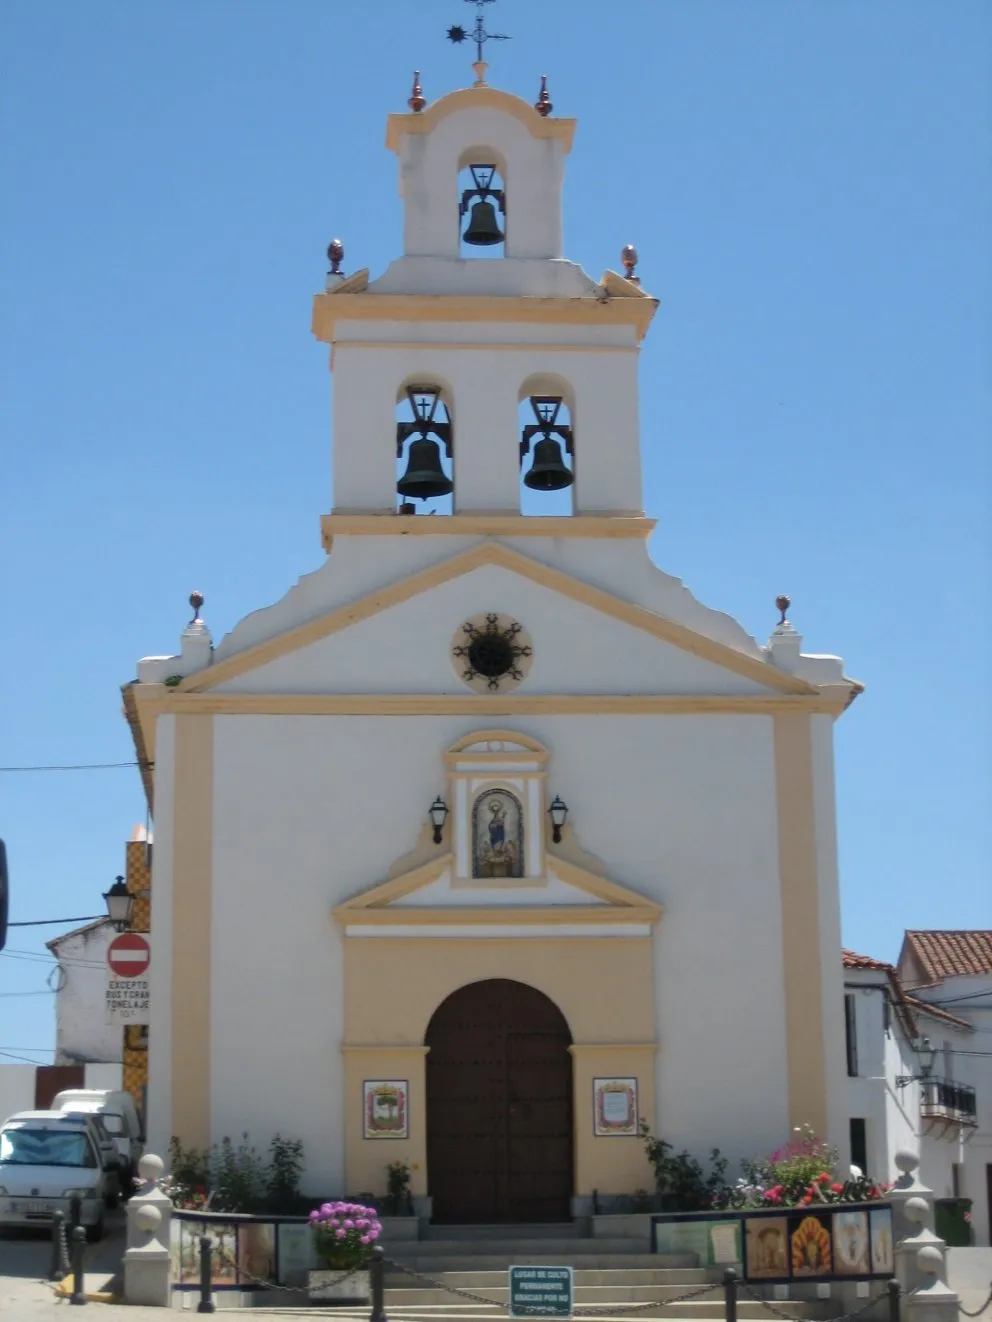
(554, 581)
(428, 895)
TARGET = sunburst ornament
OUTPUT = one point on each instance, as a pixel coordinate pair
(492, 653)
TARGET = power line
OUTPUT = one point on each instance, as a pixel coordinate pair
(53, 922)
(13, 1056)
(48, 992)
(80, 766)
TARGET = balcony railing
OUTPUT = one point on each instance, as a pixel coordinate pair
(943, 1099)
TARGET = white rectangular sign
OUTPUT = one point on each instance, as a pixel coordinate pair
(128, 960)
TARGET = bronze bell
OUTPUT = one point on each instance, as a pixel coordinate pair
(483, 227)
(548, 471)
(424, 476)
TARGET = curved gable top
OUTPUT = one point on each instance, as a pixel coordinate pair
(513, 739)
(473, 98)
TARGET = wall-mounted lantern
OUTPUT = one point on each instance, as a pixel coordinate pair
(558, 812)
(925, 1053)
(439, 812)
(119, 902)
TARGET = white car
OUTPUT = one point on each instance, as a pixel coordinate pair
(46, 1160)
(120, 1116)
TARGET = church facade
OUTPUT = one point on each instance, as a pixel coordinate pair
(488, 842)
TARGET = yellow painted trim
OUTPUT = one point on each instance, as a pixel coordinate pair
(484, 525)
(495, 553)
(385, 892)
(473, 98)
(459, 750)
(162, 701)
(357, 1049)
(798, 882)
(603, 889)
(471, 916)
(459, 345)
(329, 309)
(144, 740)
(192, 851)
(613, 1046)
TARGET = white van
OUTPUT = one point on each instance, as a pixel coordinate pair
(119, 1115)
(45, 1162)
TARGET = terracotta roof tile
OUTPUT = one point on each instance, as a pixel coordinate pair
(952, 954)
(853, 961)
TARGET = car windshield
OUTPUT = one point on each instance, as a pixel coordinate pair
(113, 1122)
(45, 1147)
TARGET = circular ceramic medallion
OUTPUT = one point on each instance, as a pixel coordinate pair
(491, 653)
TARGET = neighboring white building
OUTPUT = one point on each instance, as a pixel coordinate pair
(370, 921)
(938, 992)
(82, 1033)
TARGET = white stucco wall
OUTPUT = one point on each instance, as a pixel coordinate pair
(81, 1032)
(311, 810)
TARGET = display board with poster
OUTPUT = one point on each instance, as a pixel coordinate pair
(821, 1242)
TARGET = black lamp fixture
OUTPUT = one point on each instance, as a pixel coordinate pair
(558, 812)
(925, 1052)
(439, 812)
(119, 902)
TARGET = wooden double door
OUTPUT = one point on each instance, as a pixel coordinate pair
(499, 1106)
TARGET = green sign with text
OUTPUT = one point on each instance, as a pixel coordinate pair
(540, 1292)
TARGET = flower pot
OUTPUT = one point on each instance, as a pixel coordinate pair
(328, 1287)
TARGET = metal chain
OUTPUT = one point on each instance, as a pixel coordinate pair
(612, 1310)
(977, 1310)
(65, 1262)
(789, 1317)
(440, 1285)
(225, 1260)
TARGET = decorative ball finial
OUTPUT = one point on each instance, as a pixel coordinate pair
(417, 99)
(782, 604)
(629, 259)
(543, 104)
(335, 255)
(196, 601)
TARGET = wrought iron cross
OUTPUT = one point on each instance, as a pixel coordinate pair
(479, 35)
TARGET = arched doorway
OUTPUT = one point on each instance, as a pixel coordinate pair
(499, 1106)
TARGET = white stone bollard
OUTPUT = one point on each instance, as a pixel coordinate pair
(920, 1254)
(147, 1262)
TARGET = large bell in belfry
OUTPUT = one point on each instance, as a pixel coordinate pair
(424, 476)
(483, 227)
(548, 471)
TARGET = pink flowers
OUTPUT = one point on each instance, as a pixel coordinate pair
(343, 1233)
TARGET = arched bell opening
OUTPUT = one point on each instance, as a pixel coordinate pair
(547, 447)
(481, 204)
(424, 450)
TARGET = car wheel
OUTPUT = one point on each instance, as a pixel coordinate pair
(95, 1233)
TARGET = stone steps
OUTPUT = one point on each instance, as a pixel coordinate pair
(486, 1259)
(482, 1279)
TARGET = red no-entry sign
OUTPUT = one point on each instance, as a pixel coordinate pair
(129, 955)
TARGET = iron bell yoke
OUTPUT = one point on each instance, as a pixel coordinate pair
(483, 226)
(548, 471)
(424, 476)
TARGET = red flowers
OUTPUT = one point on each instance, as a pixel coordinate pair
(808, 1198)
(823, 1178)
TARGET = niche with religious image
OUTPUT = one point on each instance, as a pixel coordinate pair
(497, 835)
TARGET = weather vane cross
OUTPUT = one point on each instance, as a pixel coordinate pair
(479, 35)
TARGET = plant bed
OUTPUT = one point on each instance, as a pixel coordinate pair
(329, 1288)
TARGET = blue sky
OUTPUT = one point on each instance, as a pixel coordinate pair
(809, 185)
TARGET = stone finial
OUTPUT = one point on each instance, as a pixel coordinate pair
(629, 258)
(417, 99)
(150, 1167)
(196, 644)
(905, 1159)
(782, 604)
(196, 601)
(543, 104)
(786, 644)
(479, 68)
(335, 255)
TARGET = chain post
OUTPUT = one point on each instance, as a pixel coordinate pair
(55, 1271)
(377, 1279)
(894, 1293)
(730, 1294)
(78, 1277)
(206, 1304)
(75, 1211)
